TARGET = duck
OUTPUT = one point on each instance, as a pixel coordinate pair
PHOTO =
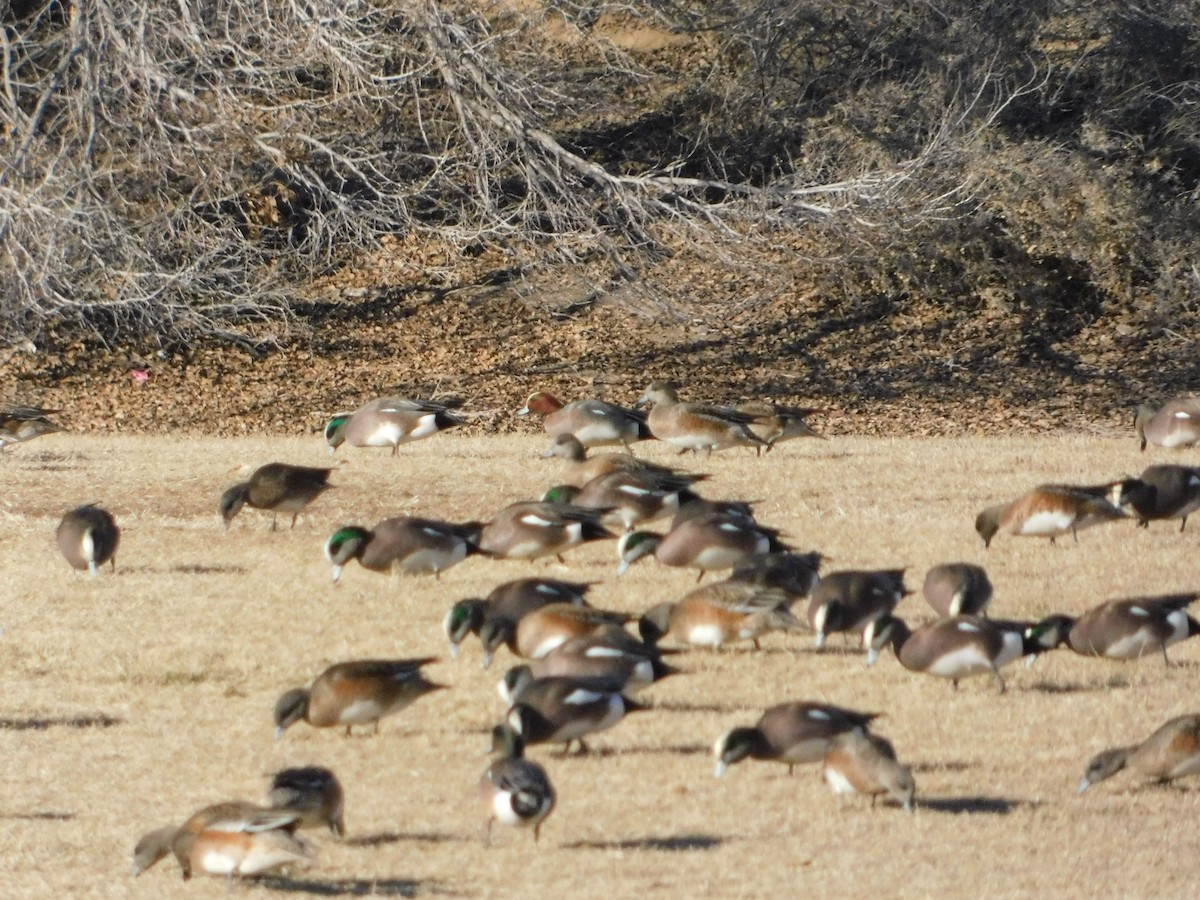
(848, 600)
(609, 654)
(1165, 492)
(796, 573)
(541, 630)
(515, 791)
(1172, 751)
(594, 423)
(858, 762)
(955, 647)
(359, 692)
(24, 423)
(706, 542)
(407, 544)
(696, 426)
(958, 589)
(583, 467)
(315, 793)
(88, 537)
(390, 422)
(628, 498)
(775, 423)
(510, 600)
(1052, 510)
(790, 733)
(234, 839)
(715, 614)
(276, 487)
(569, 712)
(1174, 424)
(1125, 629)
(533, 529)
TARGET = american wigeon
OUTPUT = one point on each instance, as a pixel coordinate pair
(775, 423)
(583, 467)
(541, 630)
(715, 614)
(1052, 510)
(1174, 424)
(389, 422)
(594, 423)
(958, 589)
(514, 790)
(405, 544)
(233, 839)
(360, 692)
(88, 537)
(1165, 492)
(1171, 752)
(276, 487)
(629, 498)
(796, 573)
(955, 647)
(707, 542)
(24, 423)
(315, 793)
(859, 762)
(570, 712)
(1125, 629)
(533, 529)
(696, 426)
(510, 600)
(790, 733)
(847, 601)
(609, 654)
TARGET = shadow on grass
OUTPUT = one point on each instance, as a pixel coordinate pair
(669, 749)
(353, 887)
(206, 569)
(396, 837)
(675, 843)
(42, 723)
(994, 806)
(952, 765)
(674, 706)
(44, 816)
(1116, 682)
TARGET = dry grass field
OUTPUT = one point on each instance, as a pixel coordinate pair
(131, 700)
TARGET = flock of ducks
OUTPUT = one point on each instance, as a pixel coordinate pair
(583, 668)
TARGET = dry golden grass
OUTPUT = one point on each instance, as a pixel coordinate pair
(185, 649)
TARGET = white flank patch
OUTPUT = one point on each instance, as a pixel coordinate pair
(819, 620)
(548, 645)
(426, 425)
(87, 546)
(1178, 621)
(706, 636)
(1047, 523)
(360, 712)
(960, 663)
(502, 807)
(838, 781)
(1012, 648)
(214, 862)
(386, 435)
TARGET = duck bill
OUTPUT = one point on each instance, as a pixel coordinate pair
(720, 769)
(337, 573)
(872, 656)
(279, 730)
(622, 568)
(1030, 659)
(455, 649)
(487, 658)
(1083, 786)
